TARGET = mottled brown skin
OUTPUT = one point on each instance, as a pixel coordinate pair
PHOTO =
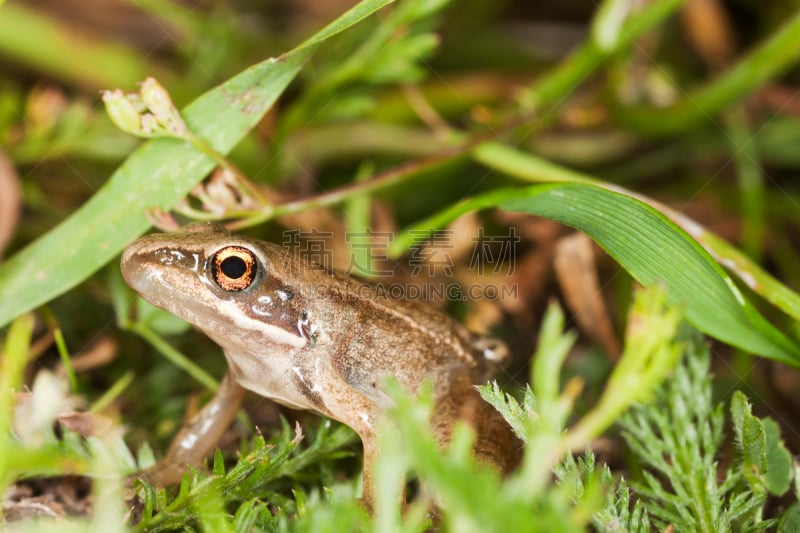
(315, 340)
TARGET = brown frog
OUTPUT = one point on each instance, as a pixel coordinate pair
(311, 339)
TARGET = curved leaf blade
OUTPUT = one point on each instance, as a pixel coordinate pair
(652, 249)
(158, 174)
(531, 168)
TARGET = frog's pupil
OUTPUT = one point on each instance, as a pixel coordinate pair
(233, 267)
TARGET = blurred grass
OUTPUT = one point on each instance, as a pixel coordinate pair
(15, 357)
(31, 39)
(414, 98)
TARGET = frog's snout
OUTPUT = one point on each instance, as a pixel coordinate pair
(131, 266)
(140, 260)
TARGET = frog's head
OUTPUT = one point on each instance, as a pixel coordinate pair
(239, 291)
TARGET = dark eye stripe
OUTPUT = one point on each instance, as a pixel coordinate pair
(234, 268)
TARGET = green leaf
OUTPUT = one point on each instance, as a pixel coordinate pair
(158, 174)
(145, 458)
(766, 463)
(651, 248)
(790, 521)
(219, 463)
(551, 352)
(740, 408)
(248, 514)
(521, 416)
(531, 168)
(779, 473)
(754, 453)
(751, 440)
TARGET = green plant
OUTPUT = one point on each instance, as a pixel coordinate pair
(259, 476)
(385, 105)
(678, 440)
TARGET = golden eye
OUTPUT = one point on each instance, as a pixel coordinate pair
(234, 268)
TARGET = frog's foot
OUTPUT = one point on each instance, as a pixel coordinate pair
(196, 438)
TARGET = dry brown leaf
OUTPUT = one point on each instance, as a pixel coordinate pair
(87, 424)
(99, 353)
(708, 27)
(779, 99)
(10, 201)
(44, 498)
(577, 276)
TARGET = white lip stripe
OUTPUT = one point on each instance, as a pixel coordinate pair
(273, 333)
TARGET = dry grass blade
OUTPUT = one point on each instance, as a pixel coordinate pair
(10, 201)
(577, 276)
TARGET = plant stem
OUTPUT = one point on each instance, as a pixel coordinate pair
(12, 364)
(63, 353)
(227, 164)
(176, 357)
(561, 81)
(112, 393)
(746, 157)
(761, 64)
(356, 189)
(550, 89)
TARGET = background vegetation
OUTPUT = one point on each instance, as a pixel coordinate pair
(478, 118)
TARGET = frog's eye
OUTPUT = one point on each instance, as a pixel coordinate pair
(234, 268)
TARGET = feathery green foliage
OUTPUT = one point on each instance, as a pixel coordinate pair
(678, 440)
(617, 515)
(260, 475)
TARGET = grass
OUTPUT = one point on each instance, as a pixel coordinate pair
(409, 118)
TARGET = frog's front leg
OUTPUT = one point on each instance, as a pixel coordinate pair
(361, 414)
(199, 436)
(328, 391)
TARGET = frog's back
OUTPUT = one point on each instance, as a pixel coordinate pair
(381, 335)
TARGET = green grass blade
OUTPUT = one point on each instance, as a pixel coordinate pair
(765, 62)
(157, 174)
(652, 248)
(530, 168)
(30, 38)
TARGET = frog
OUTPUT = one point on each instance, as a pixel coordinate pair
(313, 339)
